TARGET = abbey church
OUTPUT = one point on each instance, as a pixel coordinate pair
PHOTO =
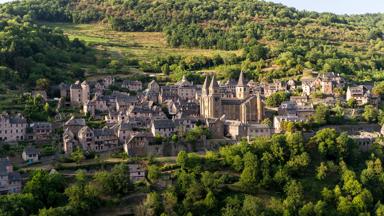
(244, 107)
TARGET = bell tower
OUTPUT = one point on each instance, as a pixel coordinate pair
(214, 98)
(242, 90)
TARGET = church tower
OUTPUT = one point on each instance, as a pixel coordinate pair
(204, 98)
(242, 90)
(214, 100)
(260, 108)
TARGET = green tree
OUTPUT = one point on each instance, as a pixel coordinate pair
(249, 176)
(153, 173)
(321, 114)
(77, 156)
(47, 189)
(370, 113)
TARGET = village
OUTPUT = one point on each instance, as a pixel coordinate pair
(152, 120)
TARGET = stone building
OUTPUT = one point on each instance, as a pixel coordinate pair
(79, 93)
(97, 140)
(362, 94)
(40, 130)
(132, 85)
(12, 128)
(10, 181)
(30, 154)
(74, 125)
(244, 107)
(163, 127)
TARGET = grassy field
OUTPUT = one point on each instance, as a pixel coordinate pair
(139, 45)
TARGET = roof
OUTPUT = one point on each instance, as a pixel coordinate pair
(103, 132)
(231, 101)
(14, 176)
(163, 123)
(183, 82)
(75, 122)
(31, 150)
(214, 84)
(241, 82)
(41, 125)
(17, 119)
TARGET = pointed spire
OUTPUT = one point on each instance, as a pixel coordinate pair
(184, 79)
(241, 80)
(205, 85)
(214, 84)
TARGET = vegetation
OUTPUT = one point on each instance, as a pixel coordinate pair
(281, 175)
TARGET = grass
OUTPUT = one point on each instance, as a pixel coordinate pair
(139, 45)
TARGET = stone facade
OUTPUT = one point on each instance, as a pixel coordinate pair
(244, 107)
(10, 181)
(13, 128)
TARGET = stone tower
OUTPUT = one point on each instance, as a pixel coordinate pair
(242, 90)
(204, 98)
(85, 92)
(214, 100)
(260, 108)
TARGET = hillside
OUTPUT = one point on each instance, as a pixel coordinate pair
(277, 41)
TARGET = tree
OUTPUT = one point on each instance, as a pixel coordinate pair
(294, 195)
(47, 189)
(152, 204)
(322, 171)
(252, 206)
(352, 103)
(370, 113)
(210, 200)
(42, 84)
(275, 99)
(249, 178)
(153, 173)
(77, 155)
(332, 145)
(321, 114)
(170, 202)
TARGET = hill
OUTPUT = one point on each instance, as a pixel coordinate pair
(278, 41)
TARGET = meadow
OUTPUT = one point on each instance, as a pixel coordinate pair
(143, 46)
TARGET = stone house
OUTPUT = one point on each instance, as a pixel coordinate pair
(259, 130)
(69, 141)
(97, 140)
(278, 120)
(141, 144)
(308, 86)
(163, 127)
(40, 130)
(10, 181)
(362, 94)
(30, 154)
(137, 172)
(74, 125)
(13, 128)
(154, 87)
(79, 93)
(132, 85)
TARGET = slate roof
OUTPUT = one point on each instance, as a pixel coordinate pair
(103, 132)
(164, 124)
(75, 121)
(231, 101)
(31, 150)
